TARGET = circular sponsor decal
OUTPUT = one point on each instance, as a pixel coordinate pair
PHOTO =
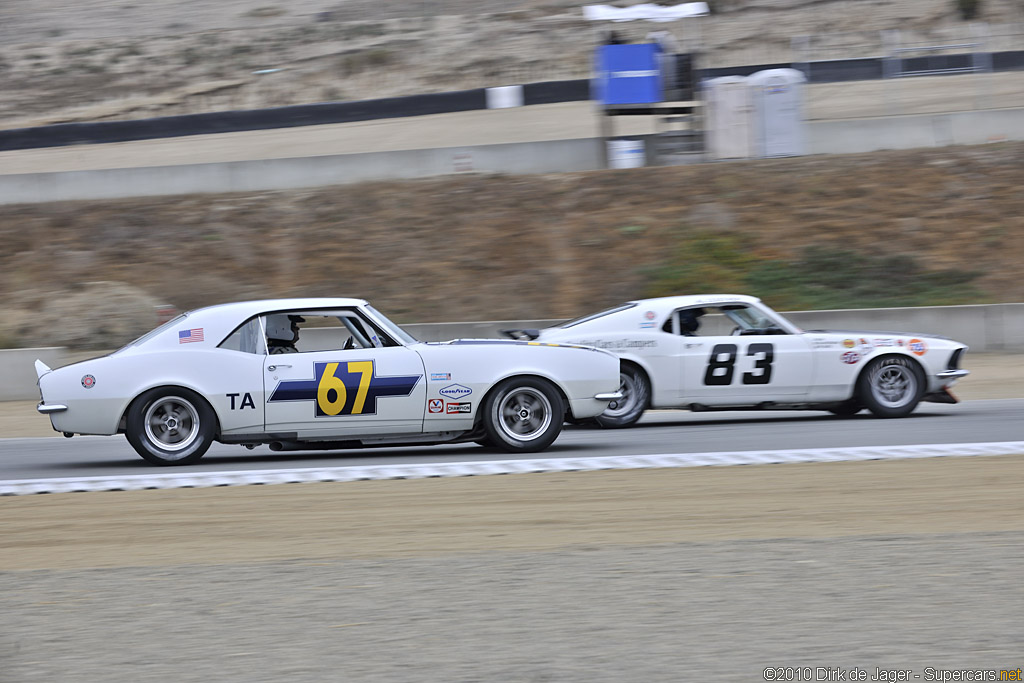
(88, 381)
(850, 357)
(849, 343)
(917, 347)
(649, 315)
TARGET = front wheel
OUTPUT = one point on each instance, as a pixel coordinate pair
(636, 394)
(523, 415)
(170, 426)
(891, 386)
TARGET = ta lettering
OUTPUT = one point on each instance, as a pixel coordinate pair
(247, 401)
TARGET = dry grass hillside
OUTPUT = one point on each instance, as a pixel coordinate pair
(887, 228)
(115, 59)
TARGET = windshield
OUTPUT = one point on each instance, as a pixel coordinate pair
(748, 318)
(391, 328)
(595, 316)
(173, 322)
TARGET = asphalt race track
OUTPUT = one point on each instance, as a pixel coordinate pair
(660, 432)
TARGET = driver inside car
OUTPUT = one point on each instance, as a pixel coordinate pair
(283, 332)
(689, 321)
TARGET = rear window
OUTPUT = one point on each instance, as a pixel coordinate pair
(595, 316)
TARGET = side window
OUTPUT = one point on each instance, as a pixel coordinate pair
(248, 339)
(688, 321)
(751, 321)
(307, 332)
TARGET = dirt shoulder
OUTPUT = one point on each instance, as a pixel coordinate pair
(532, 512)
(931, 226)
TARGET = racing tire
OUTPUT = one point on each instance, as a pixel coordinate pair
(636, 391)
(891, 386)
(523, 415)
(847, 408)
(170, 426)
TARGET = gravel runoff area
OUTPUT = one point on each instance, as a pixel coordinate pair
(712, 574)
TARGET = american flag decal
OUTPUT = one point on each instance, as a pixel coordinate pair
(193, 335)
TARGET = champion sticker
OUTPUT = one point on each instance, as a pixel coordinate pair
(88, 381)
(460, 408)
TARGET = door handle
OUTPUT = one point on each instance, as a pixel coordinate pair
(273, 368)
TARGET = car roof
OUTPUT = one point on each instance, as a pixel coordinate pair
(682, 301)
(241, 310)
(214, 323)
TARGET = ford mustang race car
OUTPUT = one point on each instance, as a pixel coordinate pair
(302, 374)
(728, 352)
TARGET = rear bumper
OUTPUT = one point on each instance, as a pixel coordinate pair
(48, 408)
(610, 396)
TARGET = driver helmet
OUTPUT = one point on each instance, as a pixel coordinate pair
(284, 328)
(689, 320)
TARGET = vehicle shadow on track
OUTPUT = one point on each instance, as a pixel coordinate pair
(263, 458)
(688, 419)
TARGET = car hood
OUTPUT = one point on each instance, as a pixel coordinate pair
(877, 333)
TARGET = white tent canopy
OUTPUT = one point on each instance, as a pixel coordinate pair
(645, 12)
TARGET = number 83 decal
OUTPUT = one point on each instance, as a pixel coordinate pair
(722, 364)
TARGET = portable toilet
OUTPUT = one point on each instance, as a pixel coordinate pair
(730, 124)
(778, 112)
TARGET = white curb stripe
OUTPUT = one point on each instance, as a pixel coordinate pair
(164, 480)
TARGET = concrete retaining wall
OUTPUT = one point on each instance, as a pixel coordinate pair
(992, 328)
(847, 136)
(18, 372)
(282, 174)
(558, 156)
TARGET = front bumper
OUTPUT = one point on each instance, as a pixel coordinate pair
(952, 374)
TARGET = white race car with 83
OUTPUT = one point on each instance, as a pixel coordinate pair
(732, 352)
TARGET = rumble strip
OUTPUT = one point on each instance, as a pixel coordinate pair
(173, 480)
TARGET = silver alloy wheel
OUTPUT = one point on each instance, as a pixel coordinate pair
(893, 386)
(524, 413)
(172, 424)
(626, 404)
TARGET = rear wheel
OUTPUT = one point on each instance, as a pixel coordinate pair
(170, 426)
(636, 394)
(891, 386)
(523, 415)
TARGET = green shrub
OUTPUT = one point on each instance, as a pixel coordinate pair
(821, 278)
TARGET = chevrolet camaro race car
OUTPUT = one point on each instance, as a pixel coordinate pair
(729, 352)
(303, 374)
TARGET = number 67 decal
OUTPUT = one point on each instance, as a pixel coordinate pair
(720, 370)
